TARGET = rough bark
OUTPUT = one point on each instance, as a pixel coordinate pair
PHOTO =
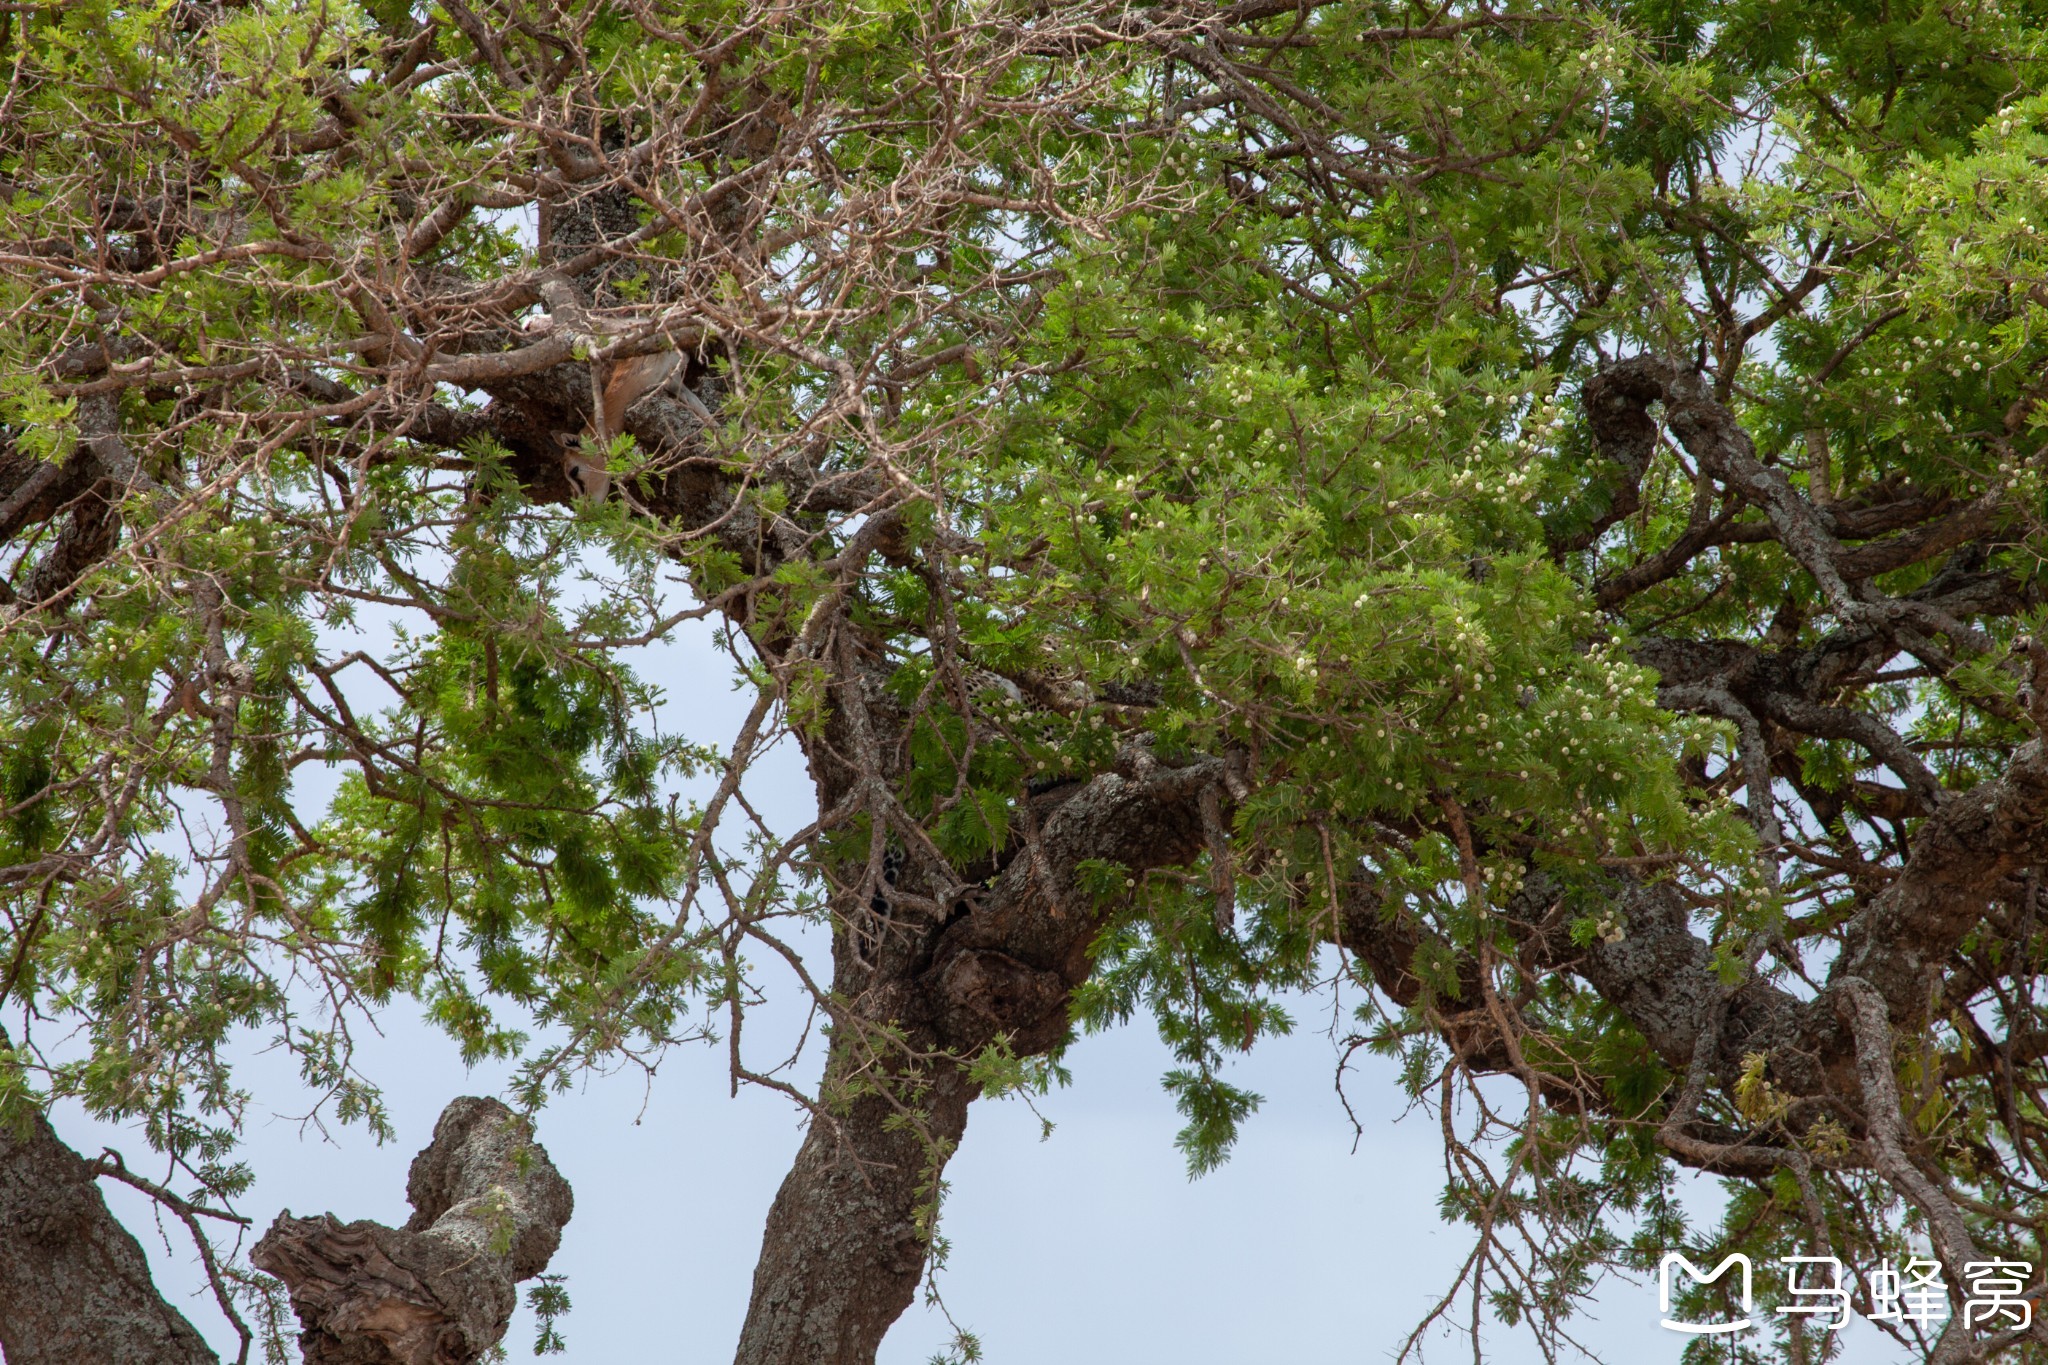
(488, 1210)
(74, 1284)
(846, 1240)
(845, 1243)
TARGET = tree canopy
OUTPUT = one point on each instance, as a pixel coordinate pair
(1524, 515)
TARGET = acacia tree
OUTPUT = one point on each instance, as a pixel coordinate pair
(1523, 515)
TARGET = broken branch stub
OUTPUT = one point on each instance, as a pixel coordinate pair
(488, 1211)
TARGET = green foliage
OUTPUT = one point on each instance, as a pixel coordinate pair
(549, 1302)
(1232, 434)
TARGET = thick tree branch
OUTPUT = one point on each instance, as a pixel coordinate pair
(488, 1211)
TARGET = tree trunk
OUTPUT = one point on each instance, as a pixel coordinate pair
(74, 1285)
(847, 1236)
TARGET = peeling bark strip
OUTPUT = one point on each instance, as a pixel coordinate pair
(74, 1285)
(488, 1210)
